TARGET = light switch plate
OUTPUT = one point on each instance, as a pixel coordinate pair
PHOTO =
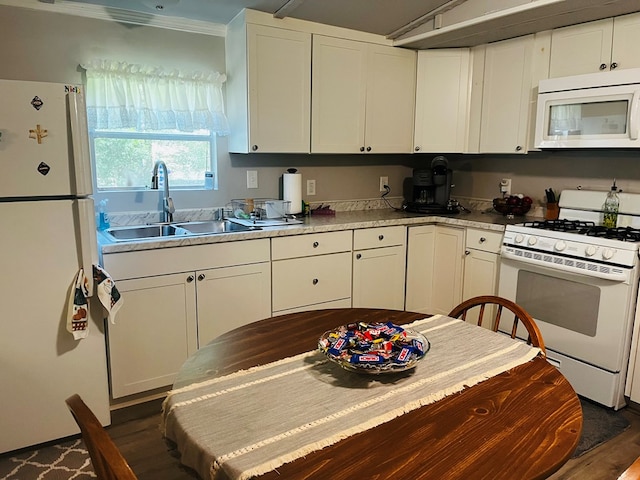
(311, 187)
(252, 179)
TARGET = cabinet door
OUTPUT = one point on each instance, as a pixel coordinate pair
(339, 95)
(229, 298)
(434, 269)
(390, 106)
(379, 277)
(506, 94)
(155, 332)
(580, 49)
(626, 38)
(279, 63)
(480, 278)
(442, 100)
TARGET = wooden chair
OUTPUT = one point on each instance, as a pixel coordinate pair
(520, 316)
(631, 473)
(107, 461)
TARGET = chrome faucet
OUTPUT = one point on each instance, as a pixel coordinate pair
(167, 202)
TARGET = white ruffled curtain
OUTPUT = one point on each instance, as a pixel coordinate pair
(122, 95)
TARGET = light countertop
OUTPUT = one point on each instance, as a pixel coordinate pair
(351, 220)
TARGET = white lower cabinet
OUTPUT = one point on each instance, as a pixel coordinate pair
(154, 333)
(231, 297)
(311, 272)
(434, 268)
(379, 260)
(481, 267)
(165, 315)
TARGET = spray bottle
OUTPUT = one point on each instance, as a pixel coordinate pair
(103, 216)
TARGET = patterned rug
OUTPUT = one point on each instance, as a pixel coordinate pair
(63, 461)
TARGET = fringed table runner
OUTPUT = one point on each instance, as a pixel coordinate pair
(252, 421)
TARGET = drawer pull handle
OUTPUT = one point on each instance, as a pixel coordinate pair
(467, 252)
(358, 256)
(482, 239)
(315, 281)
(315, 244)
(190, 278)
(380, 237)
(201, 277)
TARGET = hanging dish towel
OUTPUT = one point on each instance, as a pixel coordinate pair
(107, 292)
(77, 323)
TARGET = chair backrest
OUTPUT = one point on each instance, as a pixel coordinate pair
(484, 303)
(107, 461)
(631, 473)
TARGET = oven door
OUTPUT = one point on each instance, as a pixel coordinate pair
(585, 318)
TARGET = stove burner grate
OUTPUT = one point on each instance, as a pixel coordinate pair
(625, 234)
(560, 225)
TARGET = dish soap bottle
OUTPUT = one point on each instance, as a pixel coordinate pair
(103, 216)
(610, 208)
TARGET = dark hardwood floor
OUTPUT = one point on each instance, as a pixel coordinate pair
(136, 431)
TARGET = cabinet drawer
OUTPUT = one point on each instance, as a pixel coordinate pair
(307, 245)
(307, 281)
(485, 240)
(163, 261)
(378, 237)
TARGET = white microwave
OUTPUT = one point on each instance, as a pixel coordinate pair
(597, 110)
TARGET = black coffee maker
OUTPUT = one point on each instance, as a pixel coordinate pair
(431, 189)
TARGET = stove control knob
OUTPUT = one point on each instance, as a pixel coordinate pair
(560, 245)
(590, 251)
(607, 253)
(532, 241)
(519, 238)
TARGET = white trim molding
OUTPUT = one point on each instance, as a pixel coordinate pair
(121, 15)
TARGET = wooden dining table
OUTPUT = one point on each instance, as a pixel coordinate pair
(522, 424)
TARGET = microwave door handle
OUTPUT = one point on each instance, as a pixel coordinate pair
(634, 117)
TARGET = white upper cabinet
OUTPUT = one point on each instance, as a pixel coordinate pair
(268, 88)
(506, 96)
(595, 46)
(442, 100)
(363, 97)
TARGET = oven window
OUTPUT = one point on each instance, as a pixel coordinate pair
(570, 305)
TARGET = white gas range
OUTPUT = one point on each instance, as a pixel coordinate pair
(579, 281)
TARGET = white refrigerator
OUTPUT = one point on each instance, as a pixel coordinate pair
(47, 235)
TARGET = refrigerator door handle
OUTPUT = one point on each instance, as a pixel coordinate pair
(87, 239)
(80, 143)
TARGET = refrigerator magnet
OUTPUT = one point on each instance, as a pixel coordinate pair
(39, 133)
(37, 102)
(43, 168)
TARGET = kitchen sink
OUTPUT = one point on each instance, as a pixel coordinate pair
(215, 226)
(145, 232)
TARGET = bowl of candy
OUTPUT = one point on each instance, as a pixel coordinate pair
(512, 205)
(374, 348)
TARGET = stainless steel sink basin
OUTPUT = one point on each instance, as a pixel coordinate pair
(145, 232)
(214, 227)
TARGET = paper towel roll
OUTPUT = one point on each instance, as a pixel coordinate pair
(292, 191)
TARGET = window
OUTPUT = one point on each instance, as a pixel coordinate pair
(138, 115)
(124, 158)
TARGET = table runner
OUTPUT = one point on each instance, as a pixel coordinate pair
(252, 421)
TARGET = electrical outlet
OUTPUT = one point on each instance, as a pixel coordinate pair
(505, 186)
(384, 181)
(252, 179)
(311, 187)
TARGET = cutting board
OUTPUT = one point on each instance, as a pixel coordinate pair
(271, 222)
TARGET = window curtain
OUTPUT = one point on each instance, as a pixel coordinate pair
(121, 95)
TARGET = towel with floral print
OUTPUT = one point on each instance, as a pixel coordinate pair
(107, 292)
(77, 320)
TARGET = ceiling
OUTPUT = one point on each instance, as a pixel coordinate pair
(411, 23)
